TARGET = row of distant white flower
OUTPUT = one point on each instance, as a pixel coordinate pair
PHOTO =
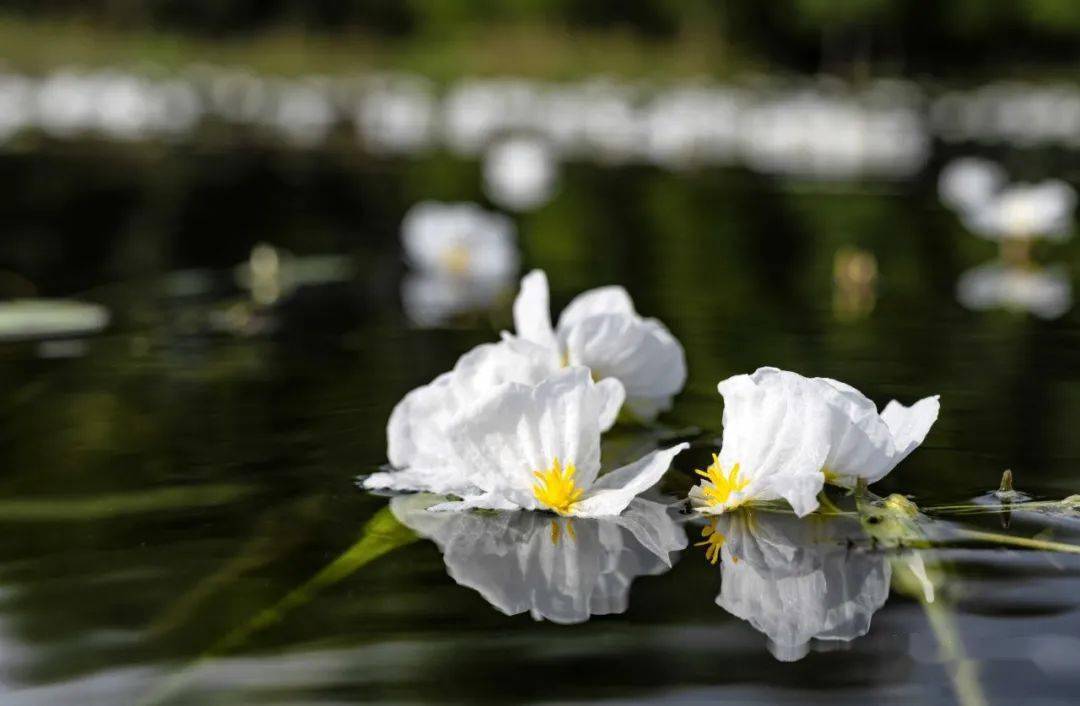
(816, 129)
(517, 424)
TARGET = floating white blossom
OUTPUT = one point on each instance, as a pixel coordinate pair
(460, 240)
(537, 447)
(463, 259)
(1026, 211)
(786, 435)
(798, 580)
(601, 330)
(969, 183)
(560, 569)
(520, 173)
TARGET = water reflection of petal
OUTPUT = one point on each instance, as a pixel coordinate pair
(797, 580)
(1045, 292)
(558, 569)
(431, 300)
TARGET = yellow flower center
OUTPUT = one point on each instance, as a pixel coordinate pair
(714, 541)
(456, 260)
(556, 489)
(721, 486)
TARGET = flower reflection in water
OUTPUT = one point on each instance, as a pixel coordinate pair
(797, 579)
(560, 569)
(1045, 292)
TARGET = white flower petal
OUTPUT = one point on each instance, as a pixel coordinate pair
(775, 429)
(459, 239)
(602, 300)
(641, 353)
(482, 501)
(523, 429)
(445, 481)
(532, 311)
(864, 444)
(417, 430)
(612, 394)
(910, 425)
(612, 492)
(969, 183)
(416, 422)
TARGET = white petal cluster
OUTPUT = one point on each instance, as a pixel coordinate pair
(417, 433)
(462, 257)
(978, 190)
(459, 240)
(520, 173)
(786, 435)
(600, 330)
(509, 428)
(558, 569)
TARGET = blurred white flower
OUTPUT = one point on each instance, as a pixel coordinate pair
(969, 183)
(463, 258)
(460, 240)
(396, 114)
(520, 173)
(798, 580)
(601, 330)
(786, 435)
(1026, 211)
(560, 569)
(1045, 292)
(537, 447)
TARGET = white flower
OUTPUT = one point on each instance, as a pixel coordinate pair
(785, 435)
(969, 183)
(797, 580)
(537, 447)
(560, 569)
(417, 442)
(601, 330)
(1045, 292)
(460, 240)
(520, 173)
(1025, 211)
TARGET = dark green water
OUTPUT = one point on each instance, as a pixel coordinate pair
(180, 477)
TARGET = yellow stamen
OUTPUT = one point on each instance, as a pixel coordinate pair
(556, 489)
(721, 486)
(456, 260)
(714, 541)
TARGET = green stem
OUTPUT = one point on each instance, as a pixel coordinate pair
(382, 534)
(1026, 542)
